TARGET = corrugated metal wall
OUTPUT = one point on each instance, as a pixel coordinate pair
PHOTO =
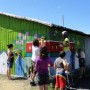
(87, 50)
(21, 31)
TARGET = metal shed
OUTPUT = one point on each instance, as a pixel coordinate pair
(21, 31)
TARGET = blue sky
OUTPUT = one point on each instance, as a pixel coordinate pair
(76, 12)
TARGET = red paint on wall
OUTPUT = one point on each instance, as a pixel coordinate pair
(52, 47)
(29, 47)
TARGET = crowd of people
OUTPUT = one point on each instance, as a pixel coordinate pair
(41, 61)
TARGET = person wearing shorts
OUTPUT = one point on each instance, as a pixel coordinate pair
(81, 61)
(10, 64)
(60, 65)
(41, 67)
(10, 60)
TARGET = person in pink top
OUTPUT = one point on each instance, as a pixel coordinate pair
(41, 67)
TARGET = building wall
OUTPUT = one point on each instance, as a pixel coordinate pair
(21, 31)
(78, 39)
(87, 50)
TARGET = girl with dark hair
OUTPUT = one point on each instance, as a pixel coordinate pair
(60, 66)
(10, 60)
(41, 67)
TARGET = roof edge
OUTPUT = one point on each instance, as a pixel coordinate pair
(69, 29)
(26, 18)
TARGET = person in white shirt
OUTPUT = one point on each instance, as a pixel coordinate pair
(35, 53)
(81, 56)
(76, 61)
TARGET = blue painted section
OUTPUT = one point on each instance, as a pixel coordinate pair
(19, 71)
(52, 71)
(72, 60)
(28, 55)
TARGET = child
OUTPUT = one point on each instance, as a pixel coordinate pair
(60, 65)
(42, 63)
(10, 60)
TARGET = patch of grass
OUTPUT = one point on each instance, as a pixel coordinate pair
(50, 88)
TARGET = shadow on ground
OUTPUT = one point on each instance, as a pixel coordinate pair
(19, 78)
(83, 83)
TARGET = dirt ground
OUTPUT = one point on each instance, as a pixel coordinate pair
(23, 84)
(15, 84)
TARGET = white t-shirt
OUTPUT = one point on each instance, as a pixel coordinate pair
(76, 62)
(35, 52)
(82, 54)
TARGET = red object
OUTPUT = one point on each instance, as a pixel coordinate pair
(52, 46)
(29, 47)
(60, 82)
(48, 46)
(60, 48)
(72, 46)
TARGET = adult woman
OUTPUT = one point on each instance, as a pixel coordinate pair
(42, 63)
(10, 60)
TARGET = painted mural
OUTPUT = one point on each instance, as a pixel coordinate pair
(21, 32)
(19, 70)
(3, 62)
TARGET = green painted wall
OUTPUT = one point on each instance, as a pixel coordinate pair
(19, 32)
(79, 40)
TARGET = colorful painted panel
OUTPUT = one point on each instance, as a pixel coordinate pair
(29, 47)
(52, 71)
(20, 32)
(19, 67)
(3, 63)
(27, 65)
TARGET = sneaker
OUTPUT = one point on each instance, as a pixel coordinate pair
(32, 83)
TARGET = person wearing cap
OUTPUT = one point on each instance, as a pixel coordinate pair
(10, 60)
(66, 48)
